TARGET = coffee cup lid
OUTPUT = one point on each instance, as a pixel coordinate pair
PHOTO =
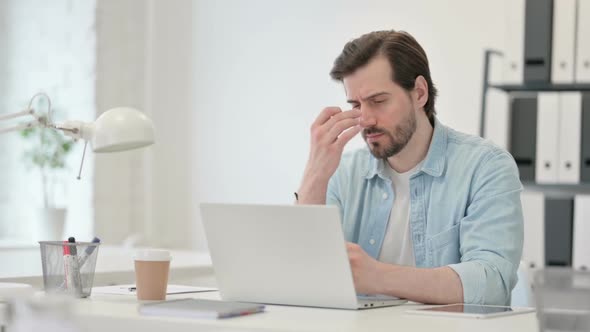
(152, 255)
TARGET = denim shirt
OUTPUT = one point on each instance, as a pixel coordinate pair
(465, 210)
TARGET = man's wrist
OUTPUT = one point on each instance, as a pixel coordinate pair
(310, 198)
(312, 190)
(385, 276)
(380, 282)
(311, 195)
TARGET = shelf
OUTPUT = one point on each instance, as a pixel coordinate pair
(566, 190)
(541, 87)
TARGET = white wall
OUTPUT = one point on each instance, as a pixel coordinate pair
(144, 60)
(122, 190)
(261, 77)
(172, 107)
(233, 86)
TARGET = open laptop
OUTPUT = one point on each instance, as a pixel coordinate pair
(290, 255)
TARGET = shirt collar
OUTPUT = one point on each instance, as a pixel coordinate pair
(435, 160)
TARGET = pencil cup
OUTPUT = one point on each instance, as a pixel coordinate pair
(68, 268)
(151, 274)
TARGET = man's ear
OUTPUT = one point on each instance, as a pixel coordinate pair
(420, 91)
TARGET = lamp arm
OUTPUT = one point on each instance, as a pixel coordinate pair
(49, 109)
(76, 129)
(30, 111)
(17, 114)
(20, 127)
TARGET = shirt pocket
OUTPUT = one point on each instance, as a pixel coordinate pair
(443, 247)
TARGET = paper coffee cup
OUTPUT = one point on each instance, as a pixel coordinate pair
(151, 274)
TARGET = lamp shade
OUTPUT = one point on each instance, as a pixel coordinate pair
(120, 129)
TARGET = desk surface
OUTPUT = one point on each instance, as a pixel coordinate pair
(103, 312)
(119, 312)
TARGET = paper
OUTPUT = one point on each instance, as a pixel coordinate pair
(130, 289)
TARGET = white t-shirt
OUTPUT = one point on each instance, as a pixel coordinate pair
(397, 245)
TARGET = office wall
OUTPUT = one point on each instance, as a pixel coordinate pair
(261, 77)
(172, 106)
(144, 60)
(122, 192)
(233, 86)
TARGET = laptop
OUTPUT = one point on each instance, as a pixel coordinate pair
(283, 254)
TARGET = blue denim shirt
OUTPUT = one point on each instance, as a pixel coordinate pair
(465, 210)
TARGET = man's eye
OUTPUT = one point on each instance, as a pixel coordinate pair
(378, 101)
(356, 106)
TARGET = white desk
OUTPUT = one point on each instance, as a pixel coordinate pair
(113, 266)
(104, 312)
(119, 313)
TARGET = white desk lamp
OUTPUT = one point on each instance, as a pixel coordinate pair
(117, 129)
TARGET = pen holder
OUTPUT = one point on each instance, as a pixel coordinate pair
(68, 268)
(562, 296)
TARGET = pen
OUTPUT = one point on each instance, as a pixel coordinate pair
(82, 259)
(86, 254)
(67, 266)
(73, 249)
(74, 283)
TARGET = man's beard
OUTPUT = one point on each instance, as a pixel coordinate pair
(396, 141)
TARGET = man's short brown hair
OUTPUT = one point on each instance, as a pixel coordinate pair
(406, 58)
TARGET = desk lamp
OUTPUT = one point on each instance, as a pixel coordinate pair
(118, 129)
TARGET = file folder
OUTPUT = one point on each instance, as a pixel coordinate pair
(558, 231)
(564, 38)
(581, 245)
(585, 156)
(497, 118)
(537, 40)
(570, 109)
(533, 210)
(523, 135)
(513, 60)
(582, 71)
(547, 137)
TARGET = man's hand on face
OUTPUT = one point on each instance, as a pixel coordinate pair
(330, 132)
(364, 268)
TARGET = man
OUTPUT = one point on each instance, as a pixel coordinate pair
(431, 214)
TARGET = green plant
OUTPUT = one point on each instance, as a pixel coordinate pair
(47, 151)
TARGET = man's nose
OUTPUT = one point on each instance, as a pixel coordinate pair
(367, 118)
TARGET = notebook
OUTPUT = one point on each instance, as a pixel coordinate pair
(200, 308)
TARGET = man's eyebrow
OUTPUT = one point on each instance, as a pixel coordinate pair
(377, 94)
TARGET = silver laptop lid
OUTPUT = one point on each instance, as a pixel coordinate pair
(293, 255)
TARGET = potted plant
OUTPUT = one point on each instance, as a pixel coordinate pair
(47, 151)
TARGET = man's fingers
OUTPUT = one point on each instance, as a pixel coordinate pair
(352, 114)
(339, 128)
(353, 253)
(346, 136)
(352, 246)
(325, 115)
